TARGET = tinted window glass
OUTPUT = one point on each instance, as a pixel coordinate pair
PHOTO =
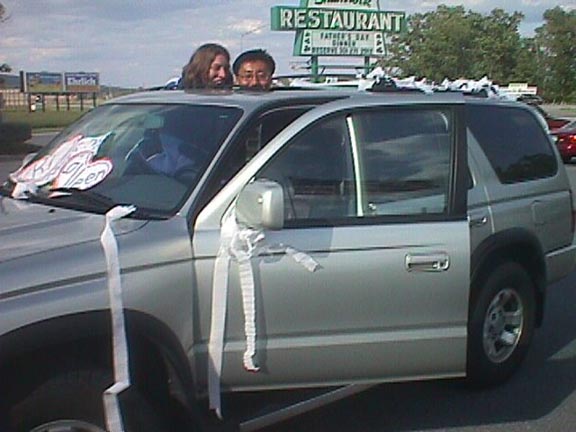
(405, 159)
(513, 141)
(259, 133)
(150, 156)
(315, 170)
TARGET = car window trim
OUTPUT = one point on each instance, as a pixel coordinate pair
(357, 166)
(372, 220)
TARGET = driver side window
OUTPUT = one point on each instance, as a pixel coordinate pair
(316, 174)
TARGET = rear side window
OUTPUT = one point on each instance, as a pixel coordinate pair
(513, 141)
(405, 158)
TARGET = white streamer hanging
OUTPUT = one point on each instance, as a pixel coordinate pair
(119, 343)
(241, 244)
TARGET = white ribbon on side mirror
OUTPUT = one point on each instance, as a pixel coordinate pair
(241, 244)
(119, 343)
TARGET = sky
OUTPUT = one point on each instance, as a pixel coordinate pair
(144, 43)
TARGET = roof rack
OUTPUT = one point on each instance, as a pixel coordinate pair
(483, 88)
(479, 93)
(388, 85)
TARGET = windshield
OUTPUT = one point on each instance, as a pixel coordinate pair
(150, 156)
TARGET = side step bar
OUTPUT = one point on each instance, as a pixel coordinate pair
(302, 407)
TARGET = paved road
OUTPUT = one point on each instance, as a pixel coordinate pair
(42, 138)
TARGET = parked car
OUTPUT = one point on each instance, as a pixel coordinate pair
(172, 247)
(530, 99)
(551, 121)
(566, 140)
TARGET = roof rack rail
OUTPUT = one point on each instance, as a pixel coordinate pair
(479, 93)
(388, 85)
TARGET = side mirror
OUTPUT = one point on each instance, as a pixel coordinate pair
(261, 205)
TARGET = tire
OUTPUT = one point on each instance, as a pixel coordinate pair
(496, 344)
(73, 402)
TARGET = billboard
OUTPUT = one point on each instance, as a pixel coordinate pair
(60, 82)
(43, 82)
(81, 82)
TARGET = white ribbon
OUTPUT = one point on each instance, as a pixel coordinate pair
(22, 190)
(119, 343)
(218, 318)
(492, 90)
(242, 248)
(241, 244)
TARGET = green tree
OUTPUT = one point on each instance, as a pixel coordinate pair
(556, 49)
(437, 44)
(451, 42)
(497, 45)
(527, 67)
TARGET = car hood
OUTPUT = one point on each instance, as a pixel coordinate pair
(28, 228)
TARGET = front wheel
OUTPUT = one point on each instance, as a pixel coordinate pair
(72, 402)
(501, 324)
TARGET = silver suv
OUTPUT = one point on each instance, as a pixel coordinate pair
(171, 250)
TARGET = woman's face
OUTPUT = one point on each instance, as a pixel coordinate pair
(218, 71)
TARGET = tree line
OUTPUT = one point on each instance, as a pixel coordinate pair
(453, 43)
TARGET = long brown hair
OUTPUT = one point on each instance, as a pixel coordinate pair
(195, 73)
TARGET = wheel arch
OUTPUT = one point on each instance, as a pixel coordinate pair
(518, 245)
(84, 340)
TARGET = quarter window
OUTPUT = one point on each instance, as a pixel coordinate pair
(513, 141)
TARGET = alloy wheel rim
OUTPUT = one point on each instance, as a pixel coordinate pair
(68, 426)
(503, 325)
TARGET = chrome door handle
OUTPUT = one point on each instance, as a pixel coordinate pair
(478, 221)
(435, 262)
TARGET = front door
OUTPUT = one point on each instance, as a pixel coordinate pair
(376, 198)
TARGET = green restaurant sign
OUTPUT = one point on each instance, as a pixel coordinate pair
(338, 27)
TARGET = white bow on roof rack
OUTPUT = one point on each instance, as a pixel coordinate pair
(379, 81)
(484, 86)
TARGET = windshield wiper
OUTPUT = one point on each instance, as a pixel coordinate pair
(90, 197)
(94, 199)
(71, 197)
(82, 196)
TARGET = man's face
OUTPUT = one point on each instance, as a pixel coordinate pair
(254, 75)
(218, 71)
